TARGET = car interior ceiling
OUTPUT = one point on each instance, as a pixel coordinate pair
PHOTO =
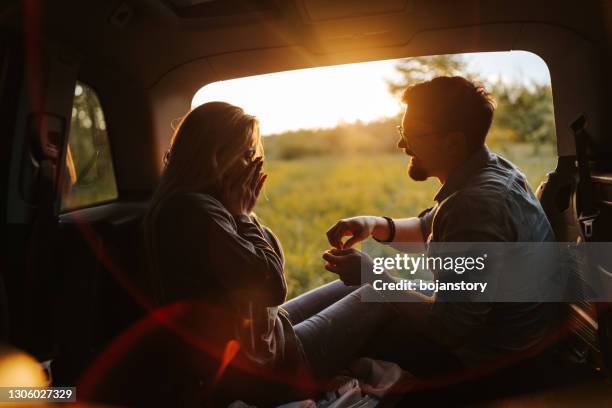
(147, 58)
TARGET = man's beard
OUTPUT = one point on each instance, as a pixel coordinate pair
(416, 170)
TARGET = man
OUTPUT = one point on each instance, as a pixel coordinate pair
(483, 198)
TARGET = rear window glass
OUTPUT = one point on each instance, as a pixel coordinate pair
(330, 141)
(89, 177)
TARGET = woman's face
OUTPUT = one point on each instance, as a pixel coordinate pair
(247, 157)
(244, 159)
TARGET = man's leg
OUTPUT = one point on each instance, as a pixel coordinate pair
(335, 335)
(315, 300)
(411, 349)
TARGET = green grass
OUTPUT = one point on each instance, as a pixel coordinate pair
(302, 198)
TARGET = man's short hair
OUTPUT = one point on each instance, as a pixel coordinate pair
(453, 104)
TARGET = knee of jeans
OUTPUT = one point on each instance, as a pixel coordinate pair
(313, 329)
(366, 294)
(295, 315)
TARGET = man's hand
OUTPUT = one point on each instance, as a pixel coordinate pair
(347, 264)
(358, 229)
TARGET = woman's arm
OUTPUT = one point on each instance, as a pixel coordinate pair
(244, 262)
(271, 238)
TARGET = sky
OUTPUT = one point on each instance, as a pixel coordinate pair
(324, 97)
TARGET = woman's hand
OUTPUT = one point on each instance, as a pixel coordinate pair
(347, 263)
(241, 190)
(260, 180)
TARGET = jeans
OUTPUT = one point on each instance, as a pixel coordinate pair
(334, 327)
(333, 324)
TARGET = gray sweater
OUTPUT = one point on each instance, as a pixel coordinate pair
(234, 263)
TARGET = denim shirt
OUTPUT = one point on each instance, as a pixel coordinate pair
(487, 199)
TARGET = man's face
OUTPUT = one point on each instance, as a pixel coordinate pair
(424, 144)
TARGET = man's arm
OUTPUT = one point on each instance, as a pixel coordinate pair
(406, 230)
(362, 227)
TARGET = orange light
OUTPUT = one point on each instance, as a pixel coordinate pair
(229, 353)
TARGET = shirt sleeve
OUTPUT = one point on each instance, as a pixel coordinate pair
(426, 218)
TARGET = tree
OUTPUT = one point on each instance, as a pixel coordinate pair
(527, 111)
(418, 69)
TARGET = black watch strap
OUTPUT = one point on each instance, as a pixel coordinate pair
(391, 224)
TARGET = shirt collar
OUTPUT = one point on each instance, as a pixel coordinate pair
(477, 160)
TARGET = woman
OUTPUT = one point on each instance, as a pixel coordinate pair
(205, 244)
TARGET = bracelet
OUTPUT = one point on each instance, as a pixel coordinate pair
(391, 224)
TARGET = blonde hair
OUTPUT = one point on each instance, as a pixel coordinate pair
(206, 143)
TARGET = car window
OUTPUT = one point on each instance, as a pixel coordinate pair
(342, 159)
(89, 177)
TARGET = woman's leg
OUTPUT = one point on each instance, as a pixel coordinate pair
(313, 301)
(335, 335)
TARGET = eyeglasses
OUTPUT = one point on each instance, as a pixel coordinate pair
(400, 130)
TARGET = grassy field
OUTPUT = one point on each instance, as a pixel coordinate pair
(304, 197)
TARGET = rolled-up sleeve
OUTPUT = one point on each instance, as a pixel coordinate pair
(426, 218)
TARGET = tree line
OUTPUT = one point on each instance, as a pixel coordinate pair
(524, 114)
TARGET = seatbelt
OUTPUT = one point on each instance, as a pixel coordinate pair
(586, 208)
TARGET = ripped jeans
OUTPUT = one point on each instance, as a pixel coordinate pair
(333, 324)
